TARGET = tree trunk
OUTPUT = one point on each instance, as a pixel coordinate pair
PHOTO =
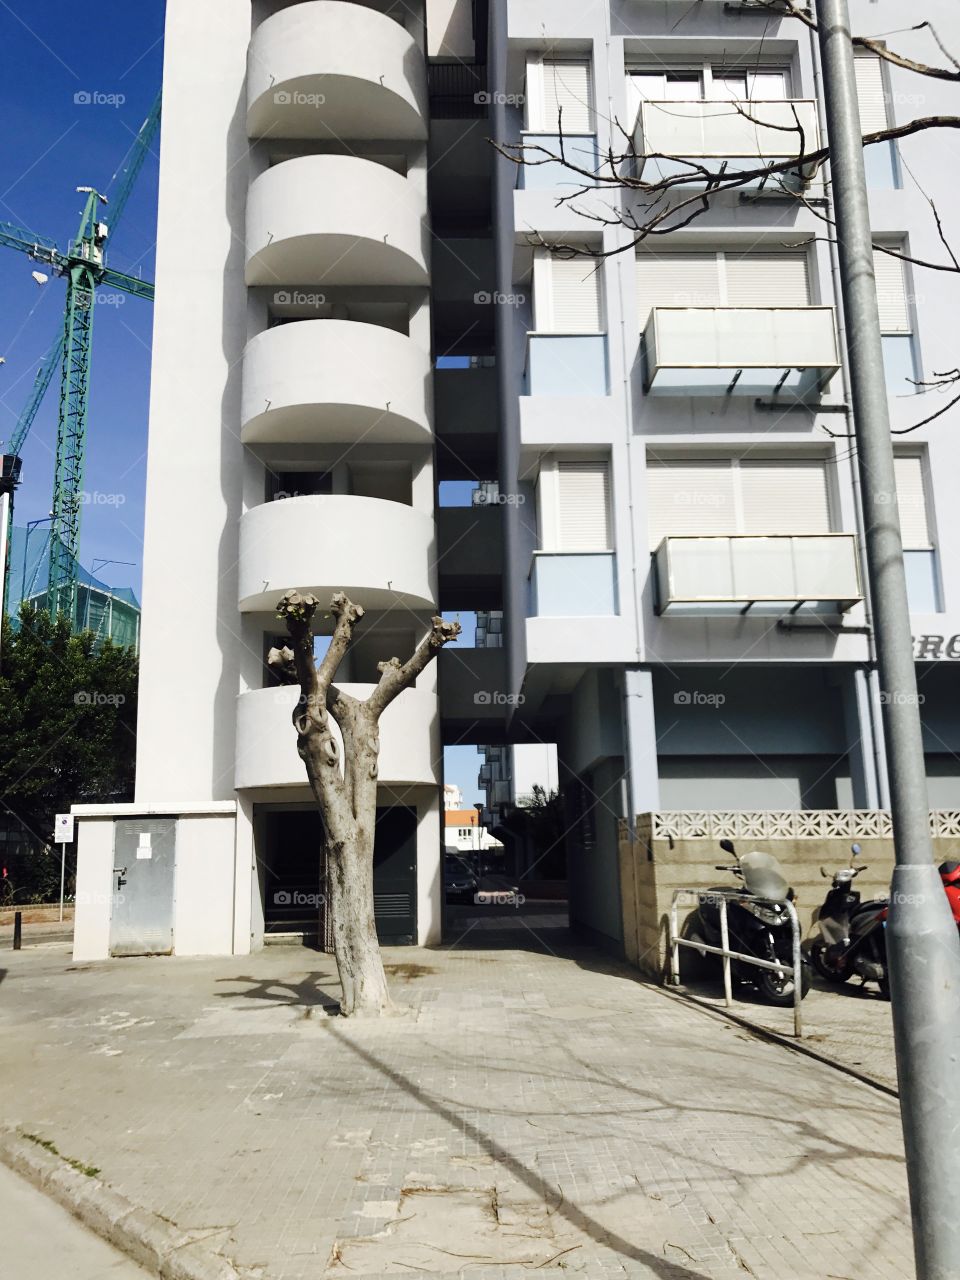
(346, 791)
(355, 943)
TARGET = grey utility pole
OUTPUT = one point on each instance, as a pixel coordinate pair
(922, 945)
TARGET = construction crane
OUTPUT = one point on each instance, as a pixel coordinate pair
(84, 268)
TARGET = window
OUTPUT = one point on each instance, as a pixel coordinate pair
(567, 350)
(702, 497)
(566, 295)
(880, 159)
(559, 92)
(896, 324)
(919, 552)
(574, 505)
(700, 279)
(708, 83)
(583, 500)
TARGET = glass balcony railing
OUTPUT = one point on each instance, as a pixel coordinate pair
(752, 351)
(541, 174)
(566, 364)
(573, 584)
(740, 133)
(746, 573)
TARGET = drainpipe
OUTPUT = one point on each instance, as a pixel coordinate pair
(630, 787)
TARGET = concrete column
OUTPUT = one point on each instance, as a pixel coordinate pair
(246, 882)
(429, 869)
(640, 742)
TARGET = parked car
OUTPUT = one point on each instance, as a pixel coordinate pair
(459, 881)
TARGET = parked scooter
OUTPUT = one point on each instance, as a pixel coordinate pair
(950, 875)
(852, 939)
(758, 924)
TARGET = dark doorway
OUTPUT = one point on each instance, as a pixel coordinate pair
(395, 876)
(293, 872)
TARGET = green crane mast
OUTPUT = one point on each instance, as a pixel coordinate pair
(84, 268)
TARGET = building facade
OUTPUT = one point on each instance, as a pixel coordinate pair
(360, 297)
(685, 589)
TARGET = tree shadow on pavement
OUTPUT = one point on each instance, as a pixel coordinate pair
(547, 1193)
(305, 994)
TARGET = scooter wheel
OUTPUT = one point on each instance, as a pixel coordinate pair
(779, 991)
(824, 970)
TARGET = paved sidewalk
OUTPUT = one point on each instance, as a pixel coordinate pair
(849, 1025)
(538, 1109)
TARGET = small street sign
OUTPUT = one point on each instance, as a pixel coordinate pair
(63, 828)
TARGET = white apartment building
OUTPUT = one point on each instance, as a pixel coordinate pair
(686, 607)
(357, 299)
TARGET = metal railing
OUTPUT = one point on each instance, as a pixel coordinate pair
(722, 897)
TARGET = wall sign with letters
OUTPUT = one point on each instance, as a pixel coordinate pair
(935, 648)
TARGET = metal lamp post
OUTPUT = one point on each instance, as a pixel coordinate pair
(922, 944)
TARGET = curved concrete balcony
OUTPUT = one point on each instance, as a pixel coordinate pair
(267, 744)
(378, 552)
(319, 380)
(328, 70)
(335, 220)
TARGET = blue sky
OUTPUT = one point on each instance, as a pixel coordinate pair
(51, 143)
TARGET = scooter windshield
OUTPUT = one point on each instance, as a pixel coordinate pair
(763, 876)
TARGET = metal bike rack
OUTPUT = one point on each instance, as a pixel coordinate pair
(723, 897)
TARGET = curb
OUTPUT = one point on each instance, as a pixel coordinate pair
(149, 1240)
(775, 1037)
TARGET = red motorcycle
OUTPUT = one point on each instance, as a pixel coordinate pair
(950, 875)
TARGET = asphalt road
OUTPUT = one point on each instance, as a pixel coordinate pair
(41, 1241)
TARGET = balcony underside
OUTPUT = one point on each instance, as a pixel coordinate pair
(327, 107)
(801, 384)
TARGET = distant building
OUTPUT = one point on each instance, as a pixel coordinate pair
(452, 796)
(111, 613)
(463, 833)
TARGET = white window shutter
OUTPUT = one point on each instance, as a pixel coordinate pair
(870, 93)
(575, 289)
(567, 85)
(767, 280)
(676, 280)
(583, 491)
(785, 496)
(891, 293)
(912, 502)
(690, 498)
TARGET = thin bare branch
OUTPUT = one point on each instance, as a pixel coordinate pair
(395, 675)
(792, 9)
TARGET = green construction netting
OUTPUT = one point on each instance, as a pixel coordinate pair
(109, 612)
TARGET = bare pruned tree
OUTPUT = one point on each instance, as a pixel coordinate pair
(655, 193)
(345, 784)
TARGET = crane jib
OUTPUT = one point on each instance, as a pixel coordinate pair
(84, 268)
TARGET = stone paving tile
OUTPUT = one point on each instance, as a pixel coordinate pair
(579, 1122)
(849, 1025)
